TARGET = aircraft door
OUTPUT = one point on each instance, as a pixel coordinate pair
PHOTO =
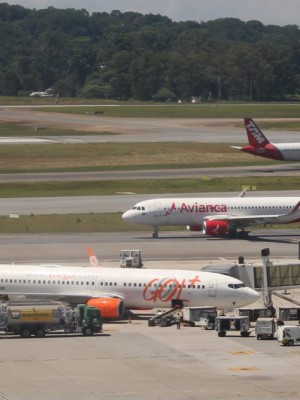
(212, 289)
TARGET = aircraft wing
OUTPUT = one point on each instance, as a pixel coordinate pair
(76, 299)
(246, 220)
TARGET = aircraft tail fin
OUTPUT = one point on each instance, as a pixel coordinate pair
(255, 136)
(93, 259)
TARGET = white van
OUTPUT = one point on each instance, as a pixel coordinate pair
(289, 335)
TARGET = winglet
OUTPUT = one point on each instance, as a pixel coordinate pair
(243, 192)
(255, 136)
(93, 259)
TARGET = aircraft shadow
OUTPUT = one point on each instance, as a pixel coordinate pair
(270, 238)
(52, 336)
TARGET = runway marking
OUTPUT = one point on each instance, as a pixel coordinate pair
(244, 369)
(241, 352)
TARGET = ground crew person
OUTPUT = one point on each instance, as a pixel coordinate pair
(177, 318)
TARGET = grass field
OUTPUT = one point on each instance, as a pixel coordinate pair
(116, 156)
(148, 186)
(214, 110)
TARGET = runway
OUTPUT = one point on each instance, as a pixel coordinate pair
(281, 169)
(180, 249)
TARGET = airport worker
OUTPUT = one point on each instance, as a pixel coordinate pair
(178, 318)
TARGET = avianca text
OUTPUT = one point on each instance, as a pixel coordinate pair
(199, 208)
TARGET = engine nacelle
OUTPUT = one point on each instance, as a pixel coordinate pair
(110, 307)
(194, 228)
(213, 228)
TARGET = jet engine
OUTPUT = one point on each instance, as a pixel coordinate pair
(110, 307)
(213, 228)
(194, 228)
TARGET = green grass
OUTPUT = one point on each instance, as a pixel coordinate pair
(101, 188)
(214, 110)
(118, 156)
(80, 223)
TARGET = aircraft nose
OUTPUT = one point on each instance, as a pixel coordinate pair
(127, 216)
(253, 294)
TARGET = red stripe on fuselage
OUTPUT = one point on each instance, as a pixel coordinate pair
(268, 151)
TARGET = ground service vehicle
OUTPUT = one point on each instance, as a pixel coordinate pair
(131, 259)
(39, 319)
(232, 323)
(201, 316)
(289, 335)
(265, 328)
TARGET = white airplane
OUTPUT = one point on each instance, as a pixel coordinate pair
(48, 93)
(114, 289)
(259, 145)
(216, 215)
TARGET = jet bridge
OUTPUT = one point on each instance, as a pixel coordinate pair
(279, 274)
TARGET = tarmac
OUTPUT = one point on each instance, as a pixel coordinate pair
(131, 360)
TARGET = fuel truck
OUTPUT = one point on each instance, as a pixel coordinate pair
(38, 319)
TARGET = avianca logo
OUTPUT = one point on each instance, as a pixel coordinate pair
(199, 208)
(256, 133)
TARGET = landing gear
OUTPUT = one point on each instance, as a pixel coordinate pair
(233, 233)
(155, 233)
(243, 234)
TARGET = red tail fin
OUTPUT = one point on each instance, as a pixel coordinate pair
(255, 136)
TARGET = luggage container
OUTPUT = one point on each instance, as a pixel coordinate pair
(232, 323)
(255, 313)
(200, 316)
(289, 314)
(265, 328)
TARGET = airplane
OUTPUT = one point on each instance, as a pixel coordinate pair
(259, 145)
(216, 215)
(112, 290)
(48, 93)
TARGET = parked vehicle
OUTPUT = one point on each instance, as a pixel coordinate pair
(232, 323)
(201, 316)
(131, 259)
(289, 335)
(265, 328)
(39, 319)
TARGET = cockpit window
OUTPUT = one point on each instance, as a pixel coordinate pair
(236, 285)
(140, 208)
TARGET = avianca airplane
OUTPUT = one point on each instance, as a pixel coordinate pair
(114, 289)
(215, 215)
(259, 145)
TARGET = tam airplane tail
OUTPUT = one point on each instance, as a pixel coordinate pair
(255, 136)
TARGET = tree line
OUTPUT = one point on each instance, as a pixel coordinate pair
(145, 57)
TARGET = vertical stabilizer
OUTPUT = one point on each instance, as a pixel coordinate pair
(255, 136)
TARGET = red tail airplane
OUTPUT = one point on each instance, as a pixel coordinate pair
(259, 145)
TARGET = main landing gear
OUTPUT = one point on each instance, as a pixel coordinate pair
(233, 233)
(155, 233)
